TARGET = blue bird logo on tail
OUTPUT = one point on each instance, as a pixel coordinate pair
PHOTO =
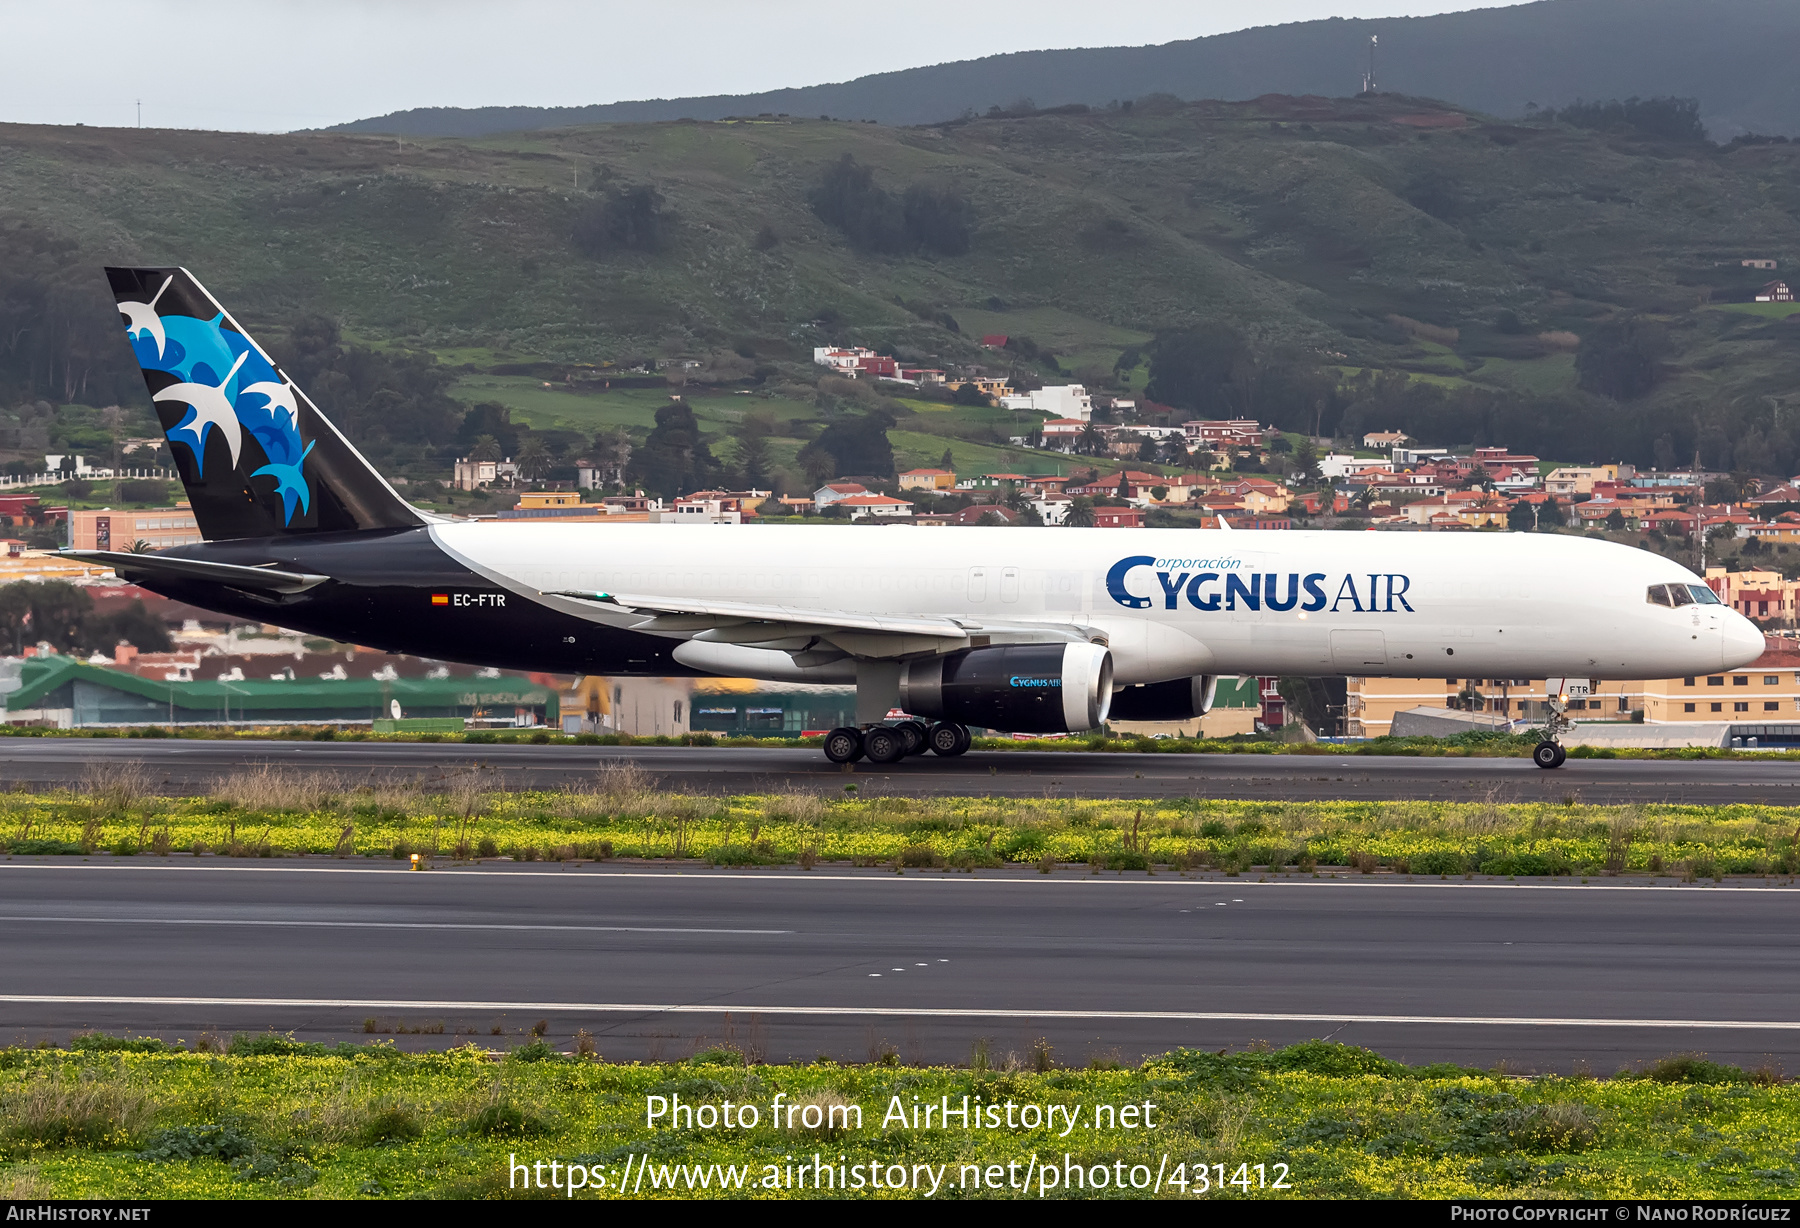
(228, 387)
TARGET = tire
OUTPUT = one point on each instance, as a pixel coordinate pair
(844, 745)
(884, 744)
(1548, 755)
(1562, 755)
(913, 734)
(948, 740)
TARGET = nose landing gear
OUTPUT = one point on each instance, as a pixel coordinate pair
(1549, 753)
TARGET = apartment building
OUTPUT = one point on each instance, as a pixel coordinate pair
(158, 527)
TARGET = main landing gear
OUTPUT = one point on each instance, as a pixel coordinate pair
(892, 743)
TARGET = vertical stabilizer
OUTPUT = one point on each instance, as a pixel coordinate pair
(257, 457)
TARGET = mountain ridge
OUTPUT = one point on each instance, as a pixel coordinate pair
(1734, 55)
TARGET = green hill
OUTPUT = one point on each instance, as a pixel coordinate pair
(1375, 235)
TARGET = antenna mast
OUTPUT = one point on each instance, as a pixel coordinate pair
(1369, 77)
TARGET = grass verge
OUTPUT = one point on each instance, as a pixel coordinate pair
(622, 813)
(271, 1118)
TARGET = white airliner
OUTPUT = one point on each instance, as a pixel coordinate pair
(1040, 630)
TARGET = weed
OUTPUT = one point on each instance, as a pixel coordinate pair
(58, 1112)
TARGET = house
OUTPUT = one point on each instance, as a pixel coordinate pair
(833, 492)
(1222, 436)
(921, 377)
(1059, 401)
(1775, 496)
(974, 512)
(1336, 465)
(1383, 440)
(927, 479)
(866, 504)
(474, 474)
(1251, 520)
(994, 341)
(1053, 509)
(1775, 292)
(1458, 509)
(1258, 494)
(1118, 518)
(1061, 433)
(982, 384)
(1580, 480)
(1315, 502)
(1757, 262)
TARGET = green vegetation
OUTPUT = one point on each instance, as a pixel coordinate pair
(269, 1117)
(272, 812)
(1472, 264)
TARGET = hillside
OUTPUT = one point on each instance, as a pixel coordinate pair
(1338, 239)
(1736, 56)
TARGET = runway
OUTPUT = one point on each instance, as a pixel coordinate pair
(179, 766)
(850, 964)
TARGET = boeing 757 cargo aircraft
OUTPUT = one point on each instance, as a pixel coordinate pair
(1038, 630)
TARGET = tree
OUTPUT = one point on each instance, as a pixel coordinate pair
(1090, 442)
(1723, 490)
(968, 394)
(58, 612)
(675, 459)
(848, 199)
(1551, 514)
(1149, 450)
(485, 448)
(855, 445)
(1081, 513)
(1621, 358)
(1306, 461)
(947, 462)
(534, 459)
(134, 624)
(1479, 479)
(752, 459)
(1520, 518)
(940, 218)
(492, 421)
(1615, 521)
(1203, 369)
(630, 218)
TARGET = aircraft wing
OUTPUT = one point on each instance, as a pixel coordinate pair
(269, 578)
(699, 614)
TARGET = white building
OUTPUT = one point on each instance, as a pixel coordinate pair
(1060, 401)
(875, 505)
(832, 492)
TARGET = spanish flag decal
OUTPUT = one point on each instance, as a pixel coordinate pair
(440, 599)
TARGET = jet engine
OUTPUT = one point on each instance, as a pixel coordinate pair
(1024, 688)
(1181, 699)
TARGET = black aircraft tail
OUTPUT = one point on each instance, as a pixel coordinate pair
(257, 457)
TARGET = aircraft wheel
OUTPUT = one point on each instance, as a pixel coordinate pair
(1548, 755)
(913, 734)
(1562, 754)
(844, 745)
(948, 739)
(884, 744)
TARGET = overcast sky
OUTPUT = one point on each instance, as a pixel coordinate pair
(276, 65)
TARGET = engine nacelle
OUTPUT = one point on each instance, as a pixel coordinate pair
(1023, 688)
(1182, 699)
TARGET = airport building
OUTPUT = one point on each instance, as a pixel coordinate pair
(1768, 689)
(66, 693)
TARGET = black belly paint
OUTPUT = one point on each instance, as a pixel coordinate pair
(381, 594)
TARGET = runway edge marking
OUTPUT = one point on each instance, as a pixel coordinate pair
(666, 1008)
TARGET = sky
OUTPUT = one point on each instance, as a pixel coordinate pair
(278, 65)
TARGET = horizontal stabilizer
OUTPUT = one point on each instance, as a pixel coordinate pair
(269, 579)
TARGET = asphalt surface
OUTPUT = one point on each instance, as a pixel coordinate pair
(180, 766)
(788, 964)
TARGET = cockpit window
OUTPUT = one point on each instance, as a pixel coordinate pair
(1658, 595)
(1702, 594)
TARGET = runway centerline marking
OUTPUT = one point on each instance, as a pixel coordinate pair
(386, 925)
(669, 1008)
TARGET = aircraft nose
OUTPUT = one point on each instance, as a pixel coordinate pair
(1743, 643)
